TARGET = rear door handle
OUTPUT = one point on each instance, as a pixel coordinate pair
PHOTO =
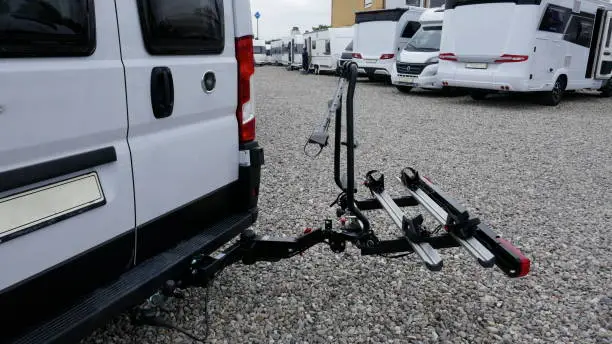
(162, 92)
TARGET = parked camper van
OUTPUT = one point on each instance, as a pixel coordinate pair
(547, 46)
(259, 51)
(325, 47)
(417, 63)
(277, 52)
(380, 35)
(108, 189)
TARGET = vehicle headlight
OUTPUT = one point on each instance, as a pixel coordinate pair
(432, 60)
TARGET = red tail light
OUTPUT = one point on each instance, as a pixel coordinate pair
(357, 56)
(386, 56)
(245, 112)
(447, 57)
(512, 58)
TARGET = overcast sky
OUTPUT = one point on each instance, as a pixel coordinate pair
(279, 16)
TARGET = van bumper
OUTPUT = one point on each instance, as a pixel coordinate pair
(428, 78)
(496, 77)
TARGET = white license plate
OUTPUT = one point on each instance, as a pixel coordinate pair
(476, 65)
(371, 60)
(406, 79)
(37, 207)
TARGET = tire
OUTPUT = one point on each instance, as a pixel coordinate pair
(606, 90)
(478, 95)
(404, 89)
(554, 96)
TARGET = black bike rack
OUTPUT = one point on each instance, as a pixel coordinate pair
(460, 229)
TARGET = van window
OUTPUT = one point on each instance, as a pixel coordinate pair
(258, 49)
(410, 29)
(46, 28)
(192, 27)
(427, 39)
(579, 30)
(436, 3)
(450, 4)
(314, 44)
(413, 3)
(349, 47)
(327, 47)
(555, 18)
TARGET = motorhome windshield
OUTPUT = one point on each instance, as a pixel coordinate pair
(426, 39)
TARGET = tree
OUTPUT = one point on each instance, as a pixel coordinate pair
(320, 27)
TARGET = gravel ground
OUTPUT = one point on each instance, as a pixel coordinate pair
(539, 175)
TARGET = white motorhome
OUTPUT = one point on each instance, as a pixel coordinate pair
(325, 47)
(417, 63)
(277, 52)
(547, 46)
(380, 35)
(259, 51)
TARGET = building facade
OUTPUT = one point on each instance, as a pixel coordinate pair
(343, 11)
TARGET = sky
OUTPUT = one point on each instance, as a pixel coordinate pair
(279, 16)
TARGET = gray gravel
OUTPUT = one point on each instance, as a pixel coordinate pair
(540, 176)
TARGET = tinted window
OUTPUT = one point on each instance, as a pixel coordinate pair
(410, 29)
(450, 4)
(182, 26)
(436, 3)
(579, 31)
(380, 15)
(314, 44)
(259, 50)
(609, 36)
(554, 19)
(349, 47)
(413, 3)
(46, 28)
(327, 47)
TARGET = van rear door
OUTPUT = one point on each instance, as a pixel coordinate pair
(66, 195)
(181, 77)
(604, 66)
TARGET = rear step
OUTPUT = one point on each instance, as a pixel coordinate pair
(135, 285)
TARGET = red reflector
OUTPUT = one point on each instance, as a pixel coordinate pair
(386, 56)
(447, 57)
(524, 262)
(511, 58)
(246, 69)
(307, 230)
(357, 56)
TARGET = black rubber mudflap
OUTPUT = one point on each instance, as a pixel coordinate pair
(134, 286)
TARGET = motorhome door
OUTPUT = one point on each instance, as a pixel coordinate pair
(604, 66)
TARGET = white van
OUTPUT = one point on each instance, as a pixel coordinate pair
(325, 47)
(259, 51)
(127, 146)
(417, 64)
(380, 35)
(548, 46)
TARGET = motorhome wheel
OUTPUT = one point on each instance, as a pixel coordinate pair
(404, 89)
